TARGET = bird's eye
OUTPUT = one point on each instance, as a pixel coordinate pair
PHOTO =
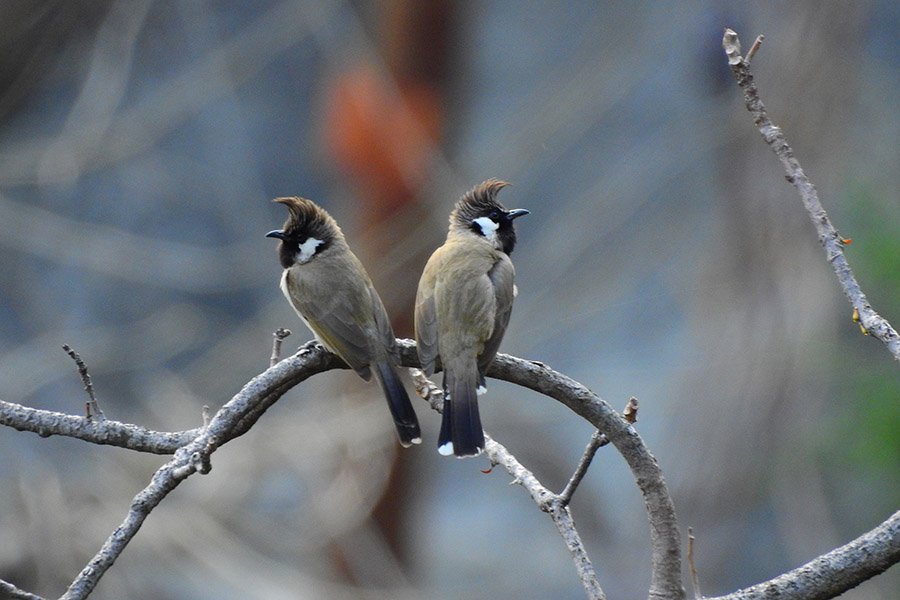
(494, 215)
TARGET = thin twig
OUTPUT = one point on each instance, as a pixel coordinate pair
(665, 538)
(559, 513)
(278, 335)
(754, 48)
(597, 441)
(264, 389)
(91, 407)
(238, 416)
(546, 500)
(870, 321)
(8, 590)
(695, 578)
(874, 552)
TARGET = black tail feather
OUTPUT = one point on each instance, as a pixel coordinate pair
(401, 408)
(461, 432)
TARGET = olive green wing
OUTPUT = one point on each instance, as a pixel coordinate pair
(501, 276)
(339, 313)
(426, 316)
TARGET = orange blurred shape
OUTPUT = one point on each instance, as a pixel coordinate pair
(381, 135)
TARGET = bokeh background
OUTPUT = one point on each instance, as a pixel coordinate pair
(665, 257)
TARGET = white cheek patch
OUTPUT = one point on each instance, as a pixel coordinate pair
(308, 250)
(488, 227)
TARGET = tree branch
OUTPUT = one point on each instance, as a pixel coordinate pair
(874, 552)
(278, 337)
(8, 590)
(113, 433)
(234, 418)
(547, 501)
(664, 537)
(92, 407)
(559, 512)
(872, 323)
(245, 408)
(597, 441)
(832, 574)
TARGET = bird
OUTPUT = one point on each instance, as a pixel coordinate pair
(463, 303)
(327, 286)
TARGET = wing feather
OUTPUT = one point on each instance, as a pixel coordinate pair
(426, 316)
(331, 316)
(502, 276)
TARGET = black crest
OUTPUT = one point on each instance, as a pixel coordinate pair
(305, 220)
(481, 201)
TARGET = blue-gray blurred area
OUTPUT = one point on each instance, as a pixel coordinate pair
(665, 258)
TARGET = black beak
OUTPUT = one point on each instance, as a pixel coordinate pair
(516, 213)
(276, 234)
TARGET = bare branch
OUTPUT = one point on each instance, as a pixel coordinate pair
(228, 422)
(552, 505)
(113, 433)
(695, 578)
(92, 407)
(664, 536)
(546, 500)
(874, 552)
(194, 448)
(8, 590)
(279, 335)
(870, 321)
(833, 573)
(754, 48)
(597, 440)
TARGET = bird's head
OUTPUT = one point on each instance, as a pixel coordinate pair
(479, 212)
(307, 233)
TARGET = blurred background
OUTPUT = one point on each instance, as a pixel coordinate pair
(665, 257)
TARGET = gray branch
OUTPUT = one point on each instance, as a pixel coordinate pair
(874, 552)
(230, 421)
(558, 510)
(596, 442)
(871, 322)
(554, 505)
(665, 579)
(113, 433)
(832, 574)
(8, 590)
(193, 449)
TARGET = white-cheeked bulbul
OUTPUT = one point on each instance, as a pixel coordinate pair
(328, 287)
(463, 305)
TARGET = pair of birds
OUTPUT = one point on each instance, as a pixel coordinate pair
(463, 304)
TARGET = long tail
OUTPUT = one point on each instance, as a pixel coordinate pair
(461, 432)
(401, 408)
